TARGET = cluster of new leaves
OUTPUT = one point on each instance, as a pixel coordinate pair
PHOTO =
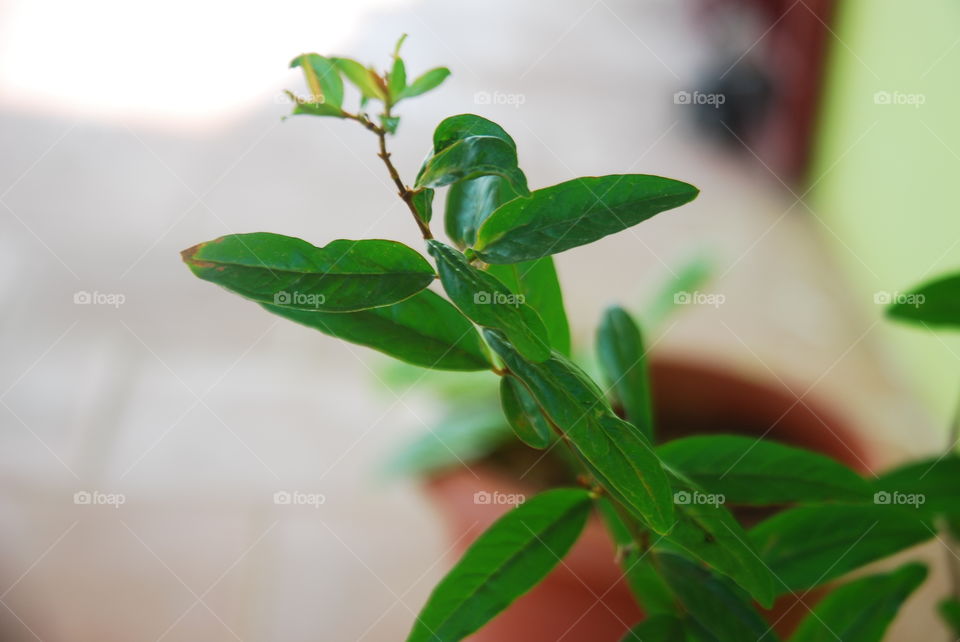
(696, 571)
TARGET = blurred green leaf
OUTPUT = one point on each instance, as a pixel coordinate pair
(342, 276)
(758, 472)
(575, 213)
(936, 303)
(689, 277)
(424, 330)
(362, 78)
(468, 434)
(931, 486)
(425, 82)
(861, 610)
(509, 559)
(490, 303)
(624, 362)
(523, 414)
(811, 545)
(949, 610)
(323, 79)
(660, 628)
(397, 80)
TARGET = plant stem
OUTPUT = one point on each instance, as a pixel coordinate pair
(405, 193)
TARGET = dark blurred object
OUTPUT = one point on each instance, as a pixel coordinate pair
(773, 55)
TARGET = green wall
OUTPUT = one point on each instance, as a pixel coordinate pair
(886, 177)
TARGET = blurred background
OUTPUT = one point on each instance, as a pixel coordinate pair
(824, 138)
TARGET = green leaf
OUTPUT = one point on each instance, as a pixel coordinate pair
(575, 213)
(617, 454)
(756, 472)
(708, 532)
(949, 610)
(424, 330)
(303, 107)
(538, 283)
(648, 588)
(689, 277)
(427, 81)
(472, 157)
(523, 414)
(390, 123)
(719, 606)
(342, 276)
(660, 628)
(455, 128)
(810, 545)
(423, 203)
(931, 486)
(509, 559)
(468, 435)
(861, 610)
(469, 203)
(490, 303)
(362, 78)
(936, 303)
(397, 80)
(624, 362)
(323, 79)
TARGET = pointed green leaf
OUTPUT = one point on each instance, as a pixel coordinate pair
(706, 530)
(719, 606)
(472, 157)
(424, 330)
(397, 80)
(523, 414)
(861, 610)
(469, 203)
(810, 545)
(575, 213)
(361, 77)
(936, 303)
(617, 454)
(323, 79)
(490, 303)
(537, 282)
(423, 203)
(425, 82)
(949, 610)
(757, 472)
(931, 486)
(689, 277)
(624, 362)
(342, 276)
(509, 559)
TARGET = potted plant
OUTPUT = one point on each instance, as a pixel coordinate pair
(710, 529)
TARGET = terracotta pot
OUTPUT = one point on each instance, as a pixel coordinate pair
(585, 598)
